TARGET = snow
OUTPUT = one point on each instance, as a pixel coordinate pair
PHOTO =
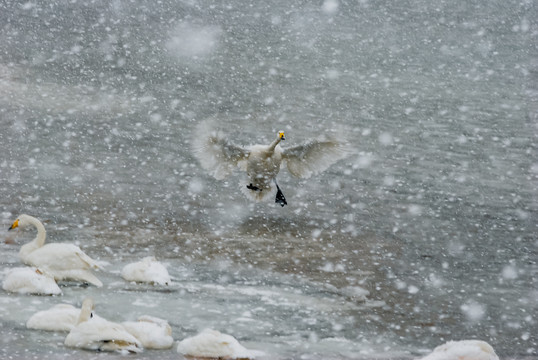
(187, 40)
(330, 7)
(473, 310)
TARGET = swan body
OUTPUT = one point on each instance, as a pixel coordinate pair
(30, 280)
(63, 261)
(463, 350)
(61, 317)
(213, 344)
(152, 332)
(148, 270)
(262, 163)
(94, 333)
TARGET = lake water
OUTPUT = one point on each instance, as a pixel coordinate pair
(426, 233)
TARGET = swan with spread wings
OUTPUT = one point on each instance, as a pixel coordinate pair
(219, 156)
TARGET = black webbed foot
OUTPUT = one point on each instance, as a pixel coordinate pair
(253, 187)
(280, 199)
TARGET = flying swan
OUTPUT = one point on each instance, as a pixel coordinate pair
(63, 261)
(463, 350)
(219, 156)
(95, 333)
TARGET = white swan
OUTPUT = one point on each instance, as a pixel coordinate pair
(30, 280)
(262, 162)
(60, 317)
(63, 261)
(152, 332)
(463, 350)
(213, 344)
(94, 333)
(148, 270)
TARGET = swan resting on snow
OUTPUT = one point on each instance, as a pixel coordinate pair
(219, 156)
(463, 350)
(152, 332)
(30, 280)
(213, 344)
(63, 261)
(60, 317)
(148, 270)
(95, 333)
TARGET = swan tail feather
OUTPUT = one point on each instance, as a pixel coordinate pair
(80, 275)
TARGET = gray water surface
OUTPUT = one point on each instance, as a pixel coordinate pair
(426, 233)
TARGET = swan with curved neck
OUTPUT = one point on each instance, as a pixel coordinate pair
(96, 333)
(22, 221)
(219, 156)
(63, 261)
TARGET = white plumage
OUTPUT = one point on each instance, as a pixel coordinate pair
(30, 280)
(60, 317)
(463, 350)
(152, 332)
(148, 270)
(219, 156)
(61, 260)
(213, 344)
(95, 333)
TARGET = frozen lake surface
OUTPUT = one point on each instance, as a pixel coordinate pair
(426, 233)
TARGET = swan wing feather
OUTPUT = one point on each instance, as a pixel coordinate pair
(65, 261)
(62, 317)
(61, 256)
(100, 334)
(314, 156)
(216, 154)
(29, 280)
(151, 335)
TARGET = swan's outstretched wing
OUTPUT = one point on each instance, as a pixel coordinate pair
(216, 154)
(315, 156)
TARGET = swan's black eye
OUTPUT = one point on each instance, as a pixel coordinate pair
(91, 315)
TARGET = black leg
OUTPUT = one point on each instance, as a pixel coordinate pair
(252, 187)
(280, 197)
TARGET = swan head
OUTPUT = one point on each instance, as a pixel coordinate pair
(21, 221)
(281, 135)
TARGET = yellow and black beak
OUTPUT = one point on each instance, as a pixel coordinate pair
(15, 225)
(281, 135)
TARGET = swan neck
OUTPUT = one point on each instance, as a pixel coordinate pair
(39, 240)
(85, 311)
(274, 143)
